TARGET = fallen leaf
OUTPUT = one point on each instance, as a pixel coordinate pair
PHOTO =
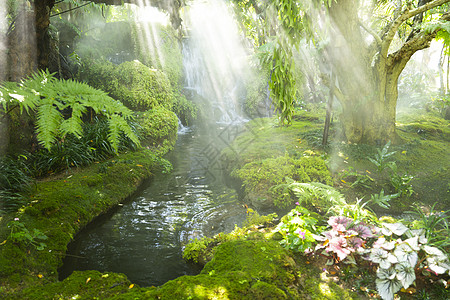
(89, 279)
(105, 275)
(131, 286)
(140, 165)
(2, 243)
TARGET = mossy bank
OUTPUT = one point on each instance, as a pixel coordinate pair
(247, 263)
(62, 206)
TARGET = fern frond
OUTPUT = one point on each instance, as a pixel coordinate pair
(48, 121)
(314, 191)
(48, 96)
(114, 131)
(73, 124)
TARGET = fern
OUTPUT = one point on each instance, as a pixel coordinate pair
(48, 97)
(312, 192)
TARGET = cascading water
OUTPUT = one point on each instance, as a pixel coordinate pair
(144, 238)
(215, 60)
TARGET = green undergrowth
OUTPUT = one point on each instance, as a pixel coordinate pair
(60, 206)
(266, 154)
(265, 138)
(421, 152)
(264, 180)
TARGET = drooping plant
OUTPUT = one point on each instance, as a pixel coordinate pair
(60, 106)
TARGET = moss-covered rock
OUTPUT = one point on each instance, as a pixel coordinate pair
(134, 84)
(264, 138)
(60, 207)
(159, 128)
(262, 180)
(141, 88)
(265, 154)
(187, 111)
(257, 269)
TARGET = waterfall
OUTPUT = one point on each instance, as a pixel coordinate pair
(215, 60)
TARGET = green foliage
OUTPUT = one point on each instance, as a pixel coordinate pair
(357, 179)
(322, 197)
(186, 110)
(382, 200)
(265, 178)
(401, 183)
(297, 229)
(436, 225)
(196, 249)
(159, 128)
(14, 178)
(256, 86)
(93, 145)
(254, 218)
(159, 48)
(141, 88)
(137, 86)
(440, 104)
(60, 105)
(19, 234)
(381, 158)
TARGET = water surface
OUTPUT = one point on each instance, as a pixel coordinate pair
(144, 238)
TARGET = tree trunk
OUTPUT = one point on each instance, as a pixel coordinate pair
(367, 73)
(42, 10)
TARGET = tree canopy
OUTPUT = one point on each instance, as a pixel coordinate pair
(366, 44)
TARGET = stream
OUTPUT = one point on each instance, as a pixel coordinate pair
(145, 237)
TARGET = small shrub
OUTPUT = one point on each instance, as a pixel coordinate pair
(92, 145)
(297, 229)
(159, 128)
(185, 110)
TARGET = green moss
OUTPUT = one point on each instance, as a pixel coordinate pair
(262, 179)
(263, 138)
(134, 84)
(60, 207)
(159, 128)
(81, 285)
(141, 88)
(186, 110)
(259, 269)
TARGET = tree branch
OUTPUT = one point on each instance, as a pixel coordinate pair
(405, 15)
(398, 59)
(371, 32)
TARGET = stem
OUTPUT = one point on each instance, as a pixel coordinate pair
(69, 10)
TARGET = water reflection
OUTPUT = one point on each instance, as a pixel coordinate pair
(145, 237)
